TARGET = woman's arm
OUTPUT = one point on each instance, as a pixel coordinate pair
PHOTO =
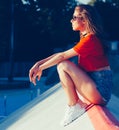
(36, 70)
(58, 58)
(44, 60)
(35, 67)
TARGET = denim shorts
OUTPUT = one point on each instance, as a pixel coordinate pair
(104, 82)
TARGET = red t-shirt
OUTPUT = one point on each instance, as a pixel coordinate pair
(91, 53)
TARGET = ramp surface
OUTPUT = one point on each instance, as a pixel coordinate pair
(46, 112)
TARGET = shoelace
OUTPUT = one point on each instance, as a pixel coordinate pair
(69, 110)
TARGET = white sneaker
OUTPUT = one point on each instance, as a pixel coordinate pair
(72, 113)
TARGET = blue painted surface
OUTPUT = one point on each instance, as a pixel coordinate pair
(11, 100)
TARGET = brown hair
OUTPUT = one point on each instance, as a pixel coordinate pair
(94, 21)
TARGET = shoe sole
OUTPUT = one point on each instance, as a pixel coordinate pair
(86, 109)
(75, 118)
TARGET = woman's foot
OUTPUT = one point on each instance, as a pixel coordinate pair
(72, 113)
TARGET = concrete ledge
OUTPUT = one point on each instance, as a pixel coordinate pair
(47, 111)
(102, 118)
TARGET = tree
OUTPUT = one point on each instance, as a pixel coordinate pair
(44, 24)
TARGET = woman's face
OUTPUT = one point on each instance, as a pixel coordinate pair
(78, 23)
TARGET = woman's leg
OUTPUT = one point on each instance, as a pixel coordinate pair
(68, 87)
(73, 78)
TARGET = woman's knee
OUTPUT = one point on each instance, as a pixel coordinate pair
(62, 65)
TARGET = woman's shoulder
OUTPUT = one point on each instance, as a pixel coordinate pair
(89, 37)
(93, 38)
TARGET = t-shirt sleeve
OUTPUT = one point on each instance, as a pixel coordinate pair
(88, 46)
(83, 47)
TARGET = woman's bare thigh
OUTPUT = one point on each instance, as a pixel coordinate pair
(83, 83)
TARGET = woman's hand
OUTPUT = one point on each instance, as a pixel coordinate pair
(35, 73)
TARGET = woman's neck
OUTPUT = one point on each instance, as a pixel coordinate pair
(83, 34)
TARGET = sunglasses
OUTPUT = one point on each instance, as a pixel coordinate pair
(76, 17)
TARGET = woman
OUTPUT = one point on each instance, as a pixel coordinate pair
(92, 77)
